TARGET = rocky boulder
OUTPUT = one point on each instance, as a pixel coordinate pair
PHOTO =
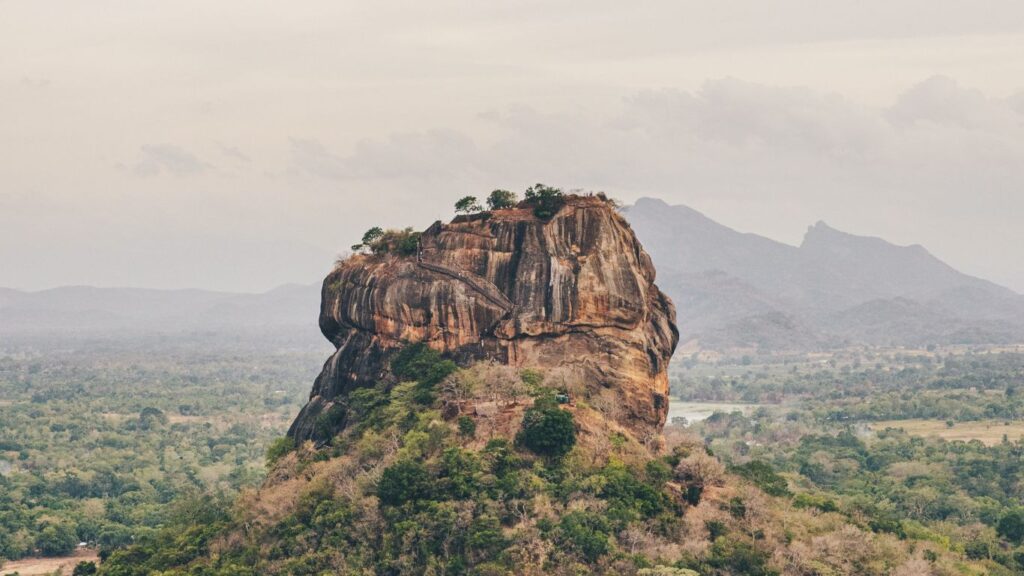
(573, 293)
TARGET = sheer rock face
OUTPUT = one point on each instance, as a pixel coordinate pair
(574, 293)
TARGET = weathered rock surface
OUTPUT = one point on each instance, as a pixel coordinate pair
(575, 293)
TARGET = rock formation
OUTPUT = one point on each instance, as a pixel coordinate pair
(574, 292)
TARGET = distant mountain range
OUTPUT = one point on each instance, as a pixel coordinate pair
(743, 290)
(732, 290)
(286, 313)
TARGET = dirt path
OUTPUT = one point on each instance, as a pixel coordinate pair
(40, 566)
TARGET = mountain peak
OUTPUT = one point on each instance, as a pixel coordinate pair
(658, 206)
(648, 202)
(831, 271)
(457, 293)
(820, 232)
(822, 236)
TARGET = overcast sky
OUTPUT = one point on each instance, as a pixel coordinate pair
(241, 144)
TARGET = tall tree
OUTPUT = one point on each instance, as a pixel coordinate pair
(500, 199)
(468, 205)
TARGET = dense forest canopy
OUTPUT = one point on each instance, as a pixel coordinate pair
(142, 449)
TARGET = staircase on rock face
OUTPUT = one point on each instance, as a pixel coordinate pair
(481, 286)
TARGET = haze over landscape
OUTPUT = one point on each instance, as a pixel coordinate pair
(737, 290)
(228, 146)
(406, 288)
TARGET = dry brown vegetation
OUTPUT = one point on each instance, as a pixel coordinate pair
(41, 566)
(703, 516)
(988, 432)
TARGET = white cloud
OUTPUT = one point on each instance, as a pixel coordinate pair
(728, 133)
(384, 102)
(942, 166)
(156, 159)
(234, 153)
(431, 154)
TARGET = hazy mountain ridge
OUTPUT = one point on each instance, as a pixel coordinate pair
(732, 290)
(738, 289)
(72, 310)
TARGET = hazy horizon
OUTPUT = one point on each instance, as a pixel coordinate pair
(234, 146)
(318, 278)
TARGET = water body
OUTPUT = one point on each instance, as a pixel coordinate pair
(697, 411)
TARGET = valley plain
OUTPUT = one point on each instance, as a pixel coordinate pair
(159, 430)
(101, 443)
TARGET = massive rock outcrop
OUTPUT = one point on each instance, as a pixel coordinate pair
(574, 292)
